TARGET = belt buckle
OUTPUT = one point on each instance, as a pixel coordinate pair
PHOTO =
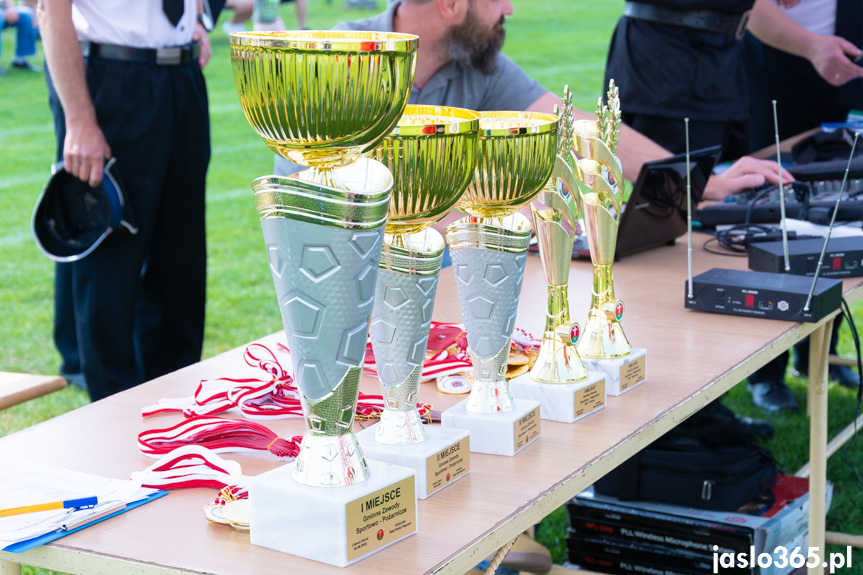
(169, 56)
(741, 26)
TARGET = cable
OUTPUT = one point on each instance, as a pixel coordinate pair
(846, 311)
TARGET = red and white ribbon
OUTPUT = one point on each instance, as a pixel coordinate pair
(187, 467)
(276, 397)
(218, 435)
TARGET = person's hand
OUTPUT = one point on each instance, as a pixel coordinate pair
(745, 173)
(85, 151)
(10, 15)
(200, 36)
(788, 3)
(830, 56)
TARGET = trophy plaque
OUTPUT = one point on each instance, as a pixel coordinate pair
(603, 345)
(566, 391)
(321, 99)
(431, 154)
(488, 247)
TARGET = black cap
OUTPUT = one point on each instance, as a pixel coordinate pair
(71, 218)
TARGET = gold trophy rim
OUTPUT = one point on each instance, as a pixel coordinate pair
(338, 41)
(545, 122)
(463, 121)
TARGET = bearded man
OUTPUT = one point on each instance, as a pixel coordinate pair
(460, 63)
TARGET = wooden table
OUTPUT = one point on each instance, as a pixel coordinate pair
(693, 358)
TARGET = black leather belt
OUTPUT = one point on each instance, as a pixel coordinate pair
(171, 56)
(708, 20)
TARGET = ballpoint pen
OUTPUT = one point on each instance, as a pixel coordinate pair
(82, 503)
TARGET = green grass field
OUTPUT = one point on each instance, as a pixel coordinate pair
(557, 41)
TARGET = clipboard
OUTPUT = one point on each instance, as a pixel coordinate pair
(29, 544)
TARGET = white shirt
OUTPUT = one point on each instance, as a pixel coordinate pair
(818, 16)
(135, 23)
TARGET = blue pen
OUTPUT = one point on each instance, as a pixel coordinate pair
(82, 503)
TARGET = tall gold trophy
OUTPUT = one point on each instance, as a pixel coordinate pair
(559, 380)
(603, 344)
(321, 99)
(432, 155)
(558, 360)
(517, 152)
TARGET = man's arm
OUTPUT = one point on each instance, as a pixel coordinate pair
(634, 148)
(828, 54)
(85, 148)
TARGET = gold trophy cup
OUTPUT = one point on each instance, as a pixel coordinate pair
(322, 99)
(601, 180)
(516, 156)
(431, 154)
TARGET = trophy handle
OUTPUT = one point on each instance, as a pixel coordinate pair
(562, 193)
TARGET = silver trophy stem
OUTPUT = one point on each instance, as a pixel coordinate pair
(488, 261)
(404, 301)
(324, 259)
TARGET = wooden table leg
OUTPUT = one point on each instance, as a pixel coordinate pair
(499, 557)
(819, 343)
(9, 568)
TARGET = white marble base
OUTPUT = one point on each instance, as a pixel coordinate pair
(333, 525)
(565, 402)
(438, 461)
(501, 433)
(621, 373)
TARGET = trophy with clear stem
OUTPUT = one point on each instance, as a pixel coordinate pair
(431, 154)
(488, 247)
(559, 380)
(603, 345)
(322, 99)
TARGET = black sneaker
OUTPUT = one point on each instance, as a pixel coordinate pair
(846, 376)
(772, 396)
(716, 413)
(23, 64)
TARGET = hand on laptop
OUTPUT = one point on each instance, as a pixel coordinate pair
(745, 173)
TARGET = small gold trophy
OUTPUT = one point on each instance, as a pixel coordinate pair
(558, 360)
(559, 380)
(602, 183)
(322, 99)
(603, 345)
(516, 156)
(432, 155)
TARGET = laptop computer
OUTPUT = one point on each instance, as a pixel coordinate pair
(655, 214)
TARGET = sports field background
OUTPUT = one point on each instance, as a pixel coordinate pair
(557, 41)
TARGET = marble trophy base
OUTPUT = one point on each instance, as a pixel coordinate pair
(565, 402)
(333, 525)
(621, 373)
(501, 433)
(438, 461)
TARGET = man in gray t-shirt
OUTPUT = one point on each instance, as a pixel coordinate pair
(459, 63)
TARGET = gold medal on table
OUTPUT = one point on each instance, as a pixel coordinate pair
(454, 384)
(238, 514)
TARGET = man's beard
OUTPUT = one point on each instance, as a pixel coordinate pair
(473, 45)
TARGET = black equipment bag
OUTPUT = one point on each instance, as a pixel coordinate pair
(713, 467)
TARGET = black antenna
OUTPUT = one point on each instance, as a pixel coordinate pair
(688, 212)
(832, 221)
(783, 224)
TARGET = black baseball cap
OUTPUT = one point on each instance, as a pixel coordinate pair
(71, 218)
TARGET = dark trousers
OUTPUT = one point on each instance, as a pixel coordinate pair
(670, 133)
(138, 300)
(803, 99)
